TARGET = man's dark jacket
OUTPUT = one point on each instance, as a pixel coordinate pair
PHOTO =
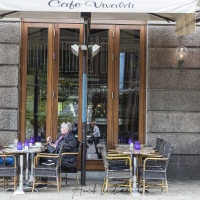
(68, 162)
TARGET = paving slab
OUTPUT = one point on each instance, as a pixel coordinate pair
(178, 190)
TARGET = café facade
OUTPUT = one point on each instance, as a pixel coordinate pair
(135, 89)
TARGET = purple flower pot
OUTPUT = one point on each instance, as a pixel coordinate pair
(19, 146)
(26, 143)
(137, 145)
(130, 140)
(32, 140)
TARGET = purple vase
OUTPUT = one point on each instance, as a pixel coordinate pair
(26, 143)
(31, 141)
(19, 146)
(130, 140)
(137, 145)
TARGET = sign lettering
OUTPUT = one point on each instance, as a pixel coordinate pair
(108, 6)
(70, 5)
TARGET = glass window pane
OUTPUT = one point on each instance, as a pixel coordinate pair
(36, 83)
(129, 85)
(68, 79)
(97, 90)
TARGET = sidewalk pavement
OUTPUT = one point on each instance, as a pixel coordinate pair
(178, 190)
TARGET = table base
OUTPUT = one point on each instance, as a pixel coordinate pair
(135, 193)
(19, 191)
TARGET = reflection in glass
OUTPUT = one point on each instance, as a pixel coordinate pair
(129, 85)
(36, 83)
(68, 78)
(97, 89)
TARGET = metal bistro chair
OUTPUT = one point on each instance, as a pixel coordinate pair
(118, 169)
(9, 170)
(156, 169)
(52, 171)
(73, 169)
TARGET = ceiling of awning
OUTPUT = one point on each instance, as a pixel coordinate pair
(170, 17)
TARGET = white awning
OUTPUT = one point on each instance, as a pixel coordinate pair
(179, 11)
(107, 6)
(186, 24)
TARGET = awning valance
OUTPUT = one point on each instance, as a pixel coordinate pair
(108, 6)
(186, 24)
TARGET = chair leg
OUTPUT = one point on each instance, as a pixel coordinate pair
(33, 187)
(60, 179)
(14, 181)
(66, 178)
(77, 179)
(106, 184)
(162, 185)
(103, 185)
(166, 185)
(58, 184)
(139, 182)
(143, 186)
(130, 186)
(4, 182)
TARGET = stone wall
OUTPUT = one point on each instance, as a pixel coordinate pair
(173, 98)
(9, 80)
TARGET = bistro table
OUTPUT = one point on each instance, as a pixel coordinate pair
(125, 149)
(32, 150)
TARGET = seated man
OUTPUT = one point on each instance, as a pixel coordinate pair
(69, 140)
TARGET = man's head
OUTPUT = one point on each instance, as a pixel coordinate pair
(65, 128)
(92, 124)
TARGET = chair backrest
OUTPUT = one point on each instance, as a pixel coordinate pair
(161, 148)
(103, 150)
(167, 149)
(79, 145)
(158, 143)
(74, 155)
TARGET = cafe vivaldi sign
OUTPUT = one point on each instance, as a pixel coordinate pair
(109, 6)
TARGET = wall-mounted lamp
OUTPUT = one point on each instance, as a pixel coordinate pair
(181, 53)
(94, 49)
(75, 49)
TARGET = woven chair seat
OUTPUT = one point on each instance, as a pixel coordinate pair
(153, 174)
(117, 162)
(46, 171)
(118, 167)
(8, 171)
(111, 174)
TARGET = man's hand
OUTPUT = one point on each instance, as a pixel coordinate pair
(53, 145)
(49, 140)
